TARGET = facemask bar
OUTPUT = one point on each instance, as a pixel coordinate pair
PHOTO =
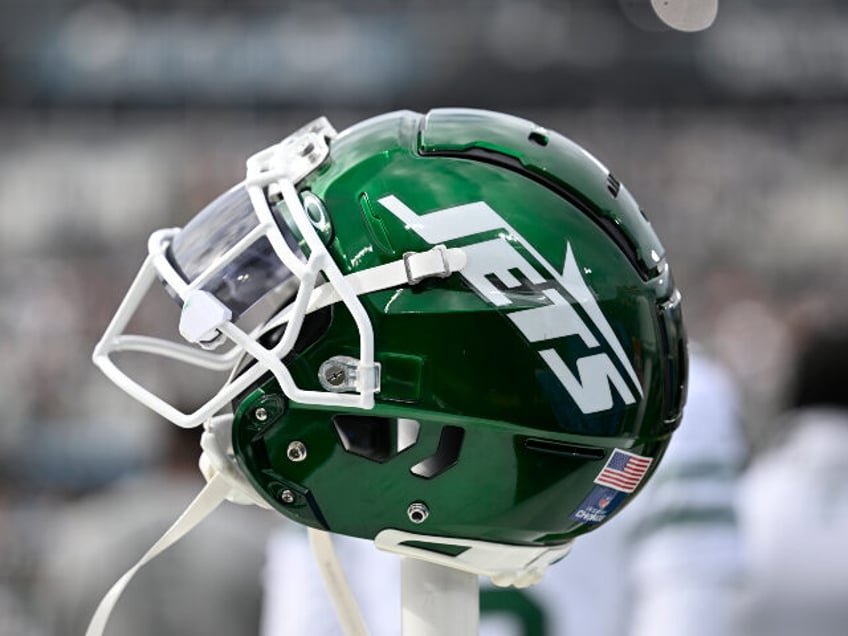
(284, 165)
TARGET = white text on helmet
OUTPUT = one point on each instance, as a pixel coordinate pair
(591, 387)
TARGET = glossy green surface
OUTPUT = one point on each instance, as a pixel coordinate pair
(451, 358)
(550, 155)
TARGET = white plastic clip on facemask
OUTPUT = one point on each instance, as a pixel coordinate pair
(201, 317)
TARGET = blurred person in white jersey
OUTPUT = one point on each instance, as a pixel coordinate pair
(793, 505)
(670, 564)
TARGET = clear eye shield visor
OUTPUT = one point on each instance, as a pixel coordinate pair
(228, 231)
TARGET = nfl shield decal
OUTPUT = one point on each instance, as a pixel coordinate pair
(600, 503)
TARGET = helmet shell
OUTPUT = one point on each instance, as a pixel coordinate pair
(503, 450)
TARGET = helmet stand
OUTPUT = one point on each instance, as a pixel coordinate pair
(437, 600)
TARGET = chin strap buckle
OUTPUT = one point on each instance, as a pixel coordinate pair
(439, 262)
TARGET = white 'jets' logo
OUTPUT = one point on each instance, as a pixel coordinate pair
(590, 388)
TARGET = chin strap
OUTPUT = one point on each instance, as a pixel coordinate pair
(223, 481)
(216, 490)
(327, 559)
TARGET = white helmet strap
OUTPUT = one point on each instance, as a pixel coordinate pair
(214, 492)
(224, 481)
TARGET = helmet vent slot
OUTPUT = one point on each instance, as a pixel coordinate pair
(613, 185)
(375, 438)
(561, 448)
(538, 137)
(448, 549)
(675, 360)
(446, 455)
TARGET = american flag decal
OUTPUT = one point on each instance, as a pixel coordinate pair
(623, 471)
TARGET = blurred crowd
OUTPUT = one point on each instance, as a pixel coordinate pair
(734, 141)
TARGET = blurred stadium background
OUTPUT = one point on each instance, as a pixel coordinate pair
(120, 117)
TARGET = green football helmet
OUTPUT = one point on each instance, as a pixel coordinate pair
(469, 345)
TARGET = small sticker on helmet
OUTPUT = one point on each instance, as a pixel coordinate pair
(624, 471)
(600, 504)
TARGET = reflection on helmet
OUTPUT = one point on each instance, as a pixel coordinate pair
(491, 294)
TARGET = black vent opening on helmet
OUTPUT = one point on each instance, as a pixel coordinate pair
(448, 549)
(446, 455)
(609, 226)
(375, 438)
(613, 185)
(562, 448)
(675, 359)
(538, 137)
(368, 437)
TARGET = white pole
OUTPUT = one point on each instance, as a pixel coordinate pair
(438, 601)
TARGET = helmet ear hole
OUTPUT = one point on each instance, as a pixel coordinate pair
(375, 438)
